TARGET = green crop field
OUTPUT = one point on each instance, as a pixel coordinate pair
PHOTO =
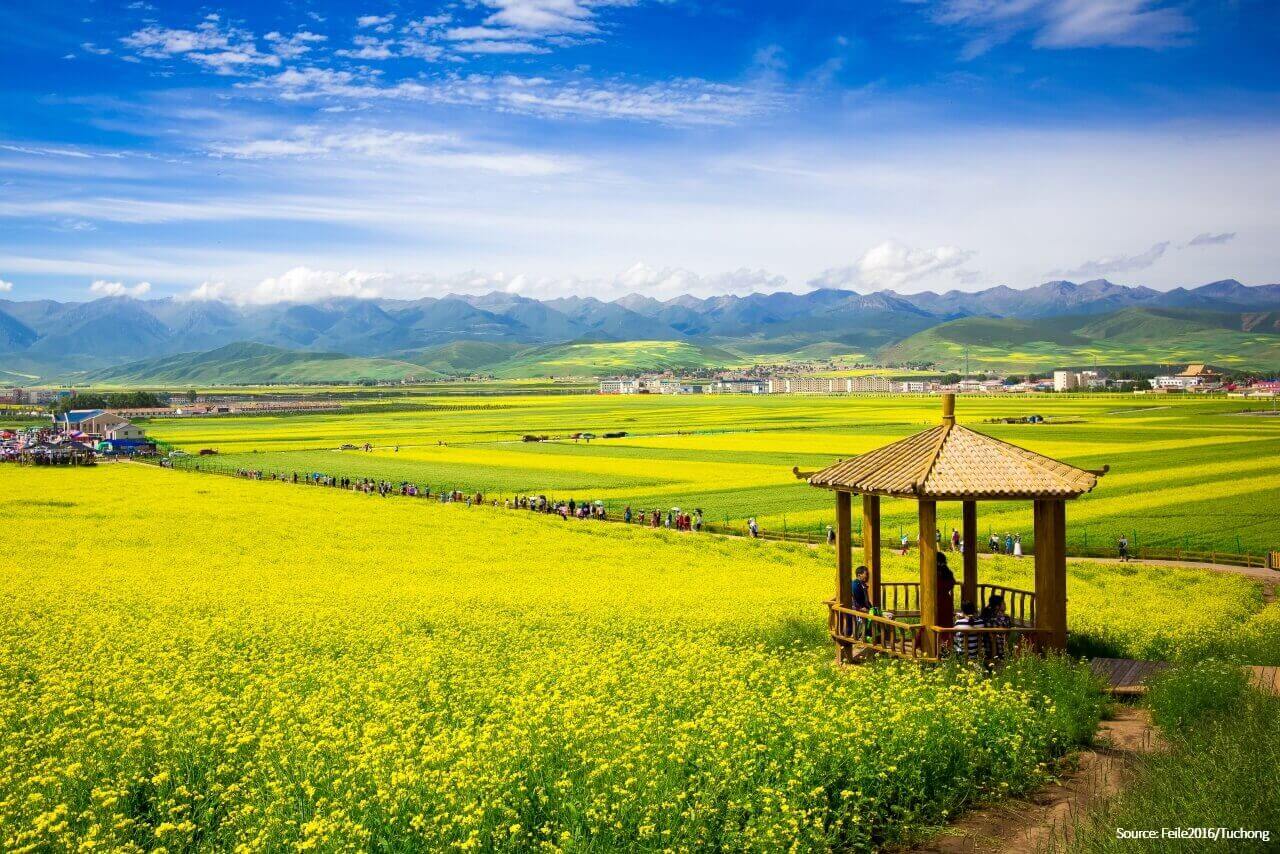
(1189, 473)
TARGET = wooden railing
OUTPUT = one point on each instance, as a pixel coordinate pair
(895, 636)
(901, 598)
(883, 634)
(1019, 605)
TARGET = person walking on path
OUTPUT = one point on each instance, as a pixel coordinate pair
(955, 540)
(993, 544)
(905, 543)
(1008, 544)
(1017, 545)
(1123, 547)
(753, 527)
(831, 536)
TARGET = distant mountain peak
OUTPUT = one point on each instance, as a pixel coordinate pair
(49, 336)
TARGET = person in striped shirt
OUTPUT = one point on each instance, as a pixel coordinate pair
(969, 644)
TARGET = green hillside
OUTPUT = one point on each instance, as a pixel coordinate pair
(460, 358)
(1134, 336)
(245, 363)
(604, 358)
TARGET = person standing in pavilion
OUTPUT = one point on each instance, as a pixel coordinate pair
(945, 614)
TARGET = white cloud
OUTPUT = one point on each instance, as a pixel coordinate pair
(207, 292)
(892, 265)
(368, 47)
(385, 146)
(426, 23)
(421, 50)
(1150, 24)
(1210, 239)
(687, 101)
(1116, 263)
(548, 16)
(381, 23)
(223, 51)
(658, 282)
(90, 47)
(45, 150)
(513, 26)
(5, 287)
(500, 47)
(119, 289)
(303, 284)
(293, 46)
(460, 34)
(667, 282)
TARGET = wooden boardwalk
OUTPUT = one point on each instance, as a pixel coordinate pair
(1125, 676)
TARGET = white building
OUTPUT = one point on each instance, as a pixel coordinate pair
(1065, 380)
(622, 385)
(741, 386)
(675, 387)
(872, 383)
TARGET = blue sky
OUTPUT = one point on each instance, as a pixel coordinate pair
(298, 150)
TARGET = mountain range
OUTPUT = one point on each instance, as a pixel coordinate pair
(75, 340)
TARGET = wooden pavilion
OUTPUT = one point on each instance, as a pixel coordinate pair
(949, 463)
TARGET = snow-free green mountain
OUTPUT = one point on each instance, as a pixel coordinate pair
(457, 334)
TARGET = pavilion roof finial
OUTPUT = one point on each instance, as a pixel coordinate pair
(949, 408)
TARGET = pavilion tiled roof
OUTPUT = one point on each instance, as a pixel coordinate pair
(954, 462)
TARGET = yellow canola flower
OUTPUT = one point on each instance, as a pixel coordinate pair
(211, 664)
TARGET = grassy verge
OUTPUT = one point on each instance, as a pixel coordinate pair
(1222, 769)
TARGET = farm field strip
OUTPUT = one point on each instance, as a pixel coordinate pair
(1178, 470)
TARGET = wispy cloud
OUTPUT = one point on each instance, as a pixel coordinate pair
(368, 47)
(303, 284)
(402, 147)
(1149, 24)
(686, 101)
(300, 284)
(893, 265)
(101, 287)
(295, 45)
(306, 284)
(1116, 263)
(377, 22)
(5, 287)
(221, 50)
(1209, 239)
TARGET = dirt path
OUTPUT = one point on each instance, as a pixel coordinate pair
(1257, 573)
(1029, 824)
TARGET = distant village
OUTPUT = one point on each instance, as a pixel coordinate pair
(77, 436)
(1195, 379)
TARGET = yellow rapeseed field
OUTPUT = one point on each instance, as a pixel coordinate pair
(192, 662)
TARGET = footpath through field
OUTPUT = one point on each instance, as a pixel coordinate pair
(1043, 819)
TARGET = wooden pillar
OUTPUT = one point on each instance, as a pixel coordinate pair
(969, 530)
(1051, 574)
(871, 546)
(929, 574)
(844, 568)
